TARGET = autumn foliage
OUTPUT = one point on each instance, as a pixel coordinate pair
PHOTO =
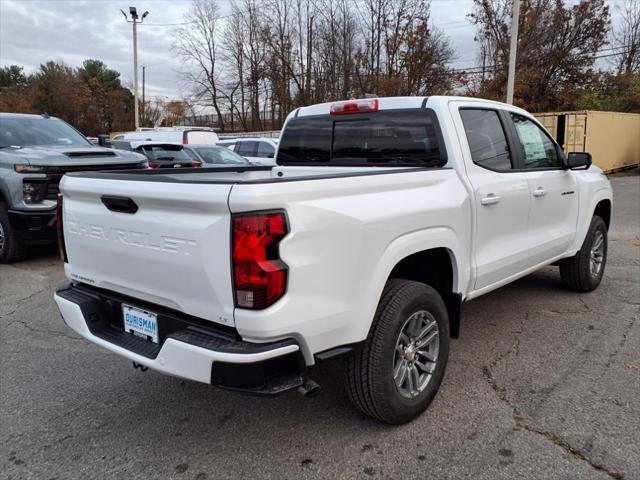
(91, 97)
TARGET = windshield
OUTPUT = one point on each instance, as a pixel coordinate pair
(220, 155)
(39, 132)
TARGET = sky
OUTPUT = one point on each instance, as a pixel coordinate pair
(34, 31)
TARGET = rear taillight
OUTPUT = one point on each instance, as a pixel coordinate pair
(153, 165)
(196, 164)
(367, 105)
(60, 230)
(259, 276)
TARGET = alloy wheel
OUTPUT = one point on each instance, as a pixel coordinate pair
(596, 257)
(416, 354)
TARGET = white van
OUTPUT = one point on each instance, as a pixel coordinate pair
(183, 135)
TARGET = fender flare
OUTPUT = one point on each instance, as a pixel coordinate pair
(585, 216)
(414, 242)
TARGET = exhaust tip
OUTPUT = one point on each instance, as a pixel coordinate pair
(309, 388)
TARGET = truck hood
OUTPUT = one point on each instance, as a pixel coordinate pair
(67, 156)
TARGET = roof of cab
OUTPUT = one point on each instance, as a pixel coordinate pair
(389, 103)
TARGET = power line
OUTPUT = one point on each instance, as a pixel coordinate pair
(490, 67)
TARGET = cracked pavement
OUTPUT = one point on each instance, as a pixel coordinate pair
(543, 383)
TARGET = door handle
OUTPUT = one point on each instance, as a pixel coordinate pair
(490, 199)
(539, 192)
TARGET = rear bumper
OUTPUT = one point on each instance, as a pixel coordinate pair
(189, 348)
(34, 227)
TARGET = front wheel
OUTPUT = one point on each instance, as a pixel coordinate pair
(11, 249)
(583, 272)
(396, 373)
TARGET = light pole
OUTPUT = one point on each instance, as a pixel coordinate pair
(515, 15)
(143, 106)
(134, 20)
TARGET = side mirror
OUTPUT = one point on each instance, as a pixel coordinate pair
(577, 160)
(271, 155)
(102, 139)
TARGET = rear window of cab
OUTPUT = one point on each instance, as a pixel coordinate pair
(382, 138)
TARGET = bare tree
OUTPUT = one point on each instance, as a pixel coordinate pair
(334, 48)
(278, 33)
(626, 39)
(197, 44)
(282, 54)
(233, 54)
(401, 53)
(153, 112)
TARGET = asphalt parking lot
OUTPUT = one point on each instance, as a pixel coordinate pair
(543, 383)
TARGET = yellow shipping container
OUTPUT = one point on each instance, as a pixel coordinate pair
(612, 138)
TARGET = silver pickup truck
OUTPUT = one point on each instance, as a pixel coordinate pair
(35, 152)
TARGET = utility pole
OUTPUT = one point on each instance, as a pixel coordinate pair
(134, 20)
(143, 104)
(512, 50)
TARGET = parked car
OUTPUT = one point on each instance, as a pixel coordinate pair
(183, 135)
(35, 152)
(380, 219)
(211, 155)
(259, 151)
(165, 155)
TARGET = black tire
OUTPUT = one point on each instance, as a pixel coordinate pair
(370, 369)
(11, 249)
(576, 272)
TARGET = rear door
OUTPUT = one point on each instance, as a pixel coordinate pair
(554, 194)
(501, 194)
(161, 242)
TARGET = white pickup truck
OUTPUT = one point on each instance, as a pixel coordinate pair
(380, 218)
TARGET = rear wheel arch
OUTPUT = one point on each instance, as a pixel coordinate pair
(436, 267)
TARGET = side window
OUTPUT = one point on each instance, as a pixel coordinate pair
(538, 150)
(247, 149)
(265, 150)
(487, 140)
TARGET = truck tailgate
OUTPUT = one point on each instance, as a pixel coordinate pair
(173, 250)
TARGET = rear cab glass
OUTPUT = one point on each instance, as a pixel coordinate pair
(384, 138)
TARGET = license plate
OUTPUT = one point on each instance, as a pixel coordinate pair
(140, 323)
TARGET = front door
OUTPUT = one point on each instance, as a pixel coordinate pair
(554, 191)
